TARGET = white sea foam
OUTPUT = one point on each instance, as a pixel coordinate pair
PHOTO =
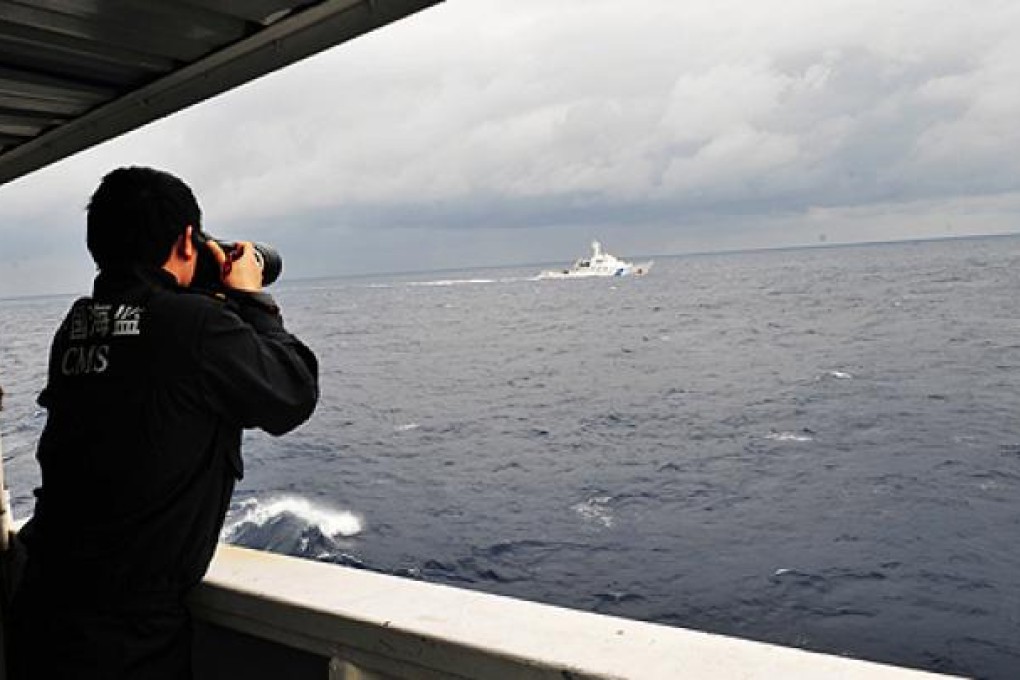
(407, 427)
(329, 521)
(450, 282)
(789, 437)
(596, 509)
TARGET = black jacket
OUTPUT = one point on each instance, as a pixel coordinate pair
(149, 388)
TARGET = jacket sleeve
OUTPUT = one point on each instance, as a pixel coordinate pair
(254, 372)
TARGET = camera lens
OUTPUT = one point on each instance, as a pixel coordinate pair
(207, 274)
(270, 261)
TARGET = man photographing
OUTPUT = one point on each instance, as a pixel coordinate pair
(150, 384)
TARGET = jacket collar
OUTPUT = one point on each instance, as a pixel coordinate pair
(132, 280)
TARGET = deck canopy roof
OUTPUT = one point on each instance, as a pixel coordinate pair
(74, 73)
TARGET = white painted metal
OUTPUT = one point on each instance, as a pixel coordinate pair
(599, 264)
(340, 669)
(5, 507)
(6, 525)
(378, 627)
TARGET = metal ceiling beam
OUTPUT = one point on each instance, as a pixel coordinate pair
(16, 36)
(284, 42)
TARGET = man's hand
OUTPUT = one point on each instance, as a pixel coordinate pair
(238, 270)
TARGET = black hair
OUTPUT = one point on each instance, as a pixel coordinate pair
(135, 216)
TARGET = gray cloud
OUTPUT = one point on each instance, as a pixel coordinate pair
(671, 126)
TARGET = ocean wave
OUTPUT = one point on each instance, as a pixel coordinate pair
(407, 427)
(296, 527)
(252, 511)
(835, 375)
(596, 509)
(802, 436)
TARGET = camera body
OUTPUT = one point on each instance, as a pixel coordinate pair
(207, 271)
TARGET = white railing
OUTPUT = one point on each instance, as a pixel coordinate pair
(368, 626)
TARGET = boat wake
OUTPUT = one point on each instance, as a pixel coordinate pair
(448, 282)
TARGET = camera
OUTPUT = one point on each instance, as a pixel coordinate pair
(207, 271)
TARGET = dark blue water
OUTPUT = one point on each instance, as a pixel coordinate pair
(819, 448)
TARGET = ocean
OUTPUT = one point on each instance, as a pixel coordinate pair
(814, 447)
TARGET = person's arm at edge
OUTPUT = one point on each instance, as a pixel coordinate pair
(256, 373)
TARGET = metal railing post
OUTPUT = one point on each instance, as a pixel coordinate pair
(5, 546)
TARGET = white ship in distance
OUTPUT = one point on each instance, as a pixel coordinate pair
(600, 263)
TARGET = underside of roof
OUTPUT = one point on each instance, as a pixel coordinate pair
(74, 73)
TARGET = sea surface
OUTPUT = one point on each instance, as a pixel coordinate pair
(816, 447)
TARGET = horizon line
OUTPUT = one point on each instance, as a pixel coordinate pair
(695, 253)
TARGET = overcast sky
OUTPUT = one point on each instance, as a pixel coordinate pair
(488, 132)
